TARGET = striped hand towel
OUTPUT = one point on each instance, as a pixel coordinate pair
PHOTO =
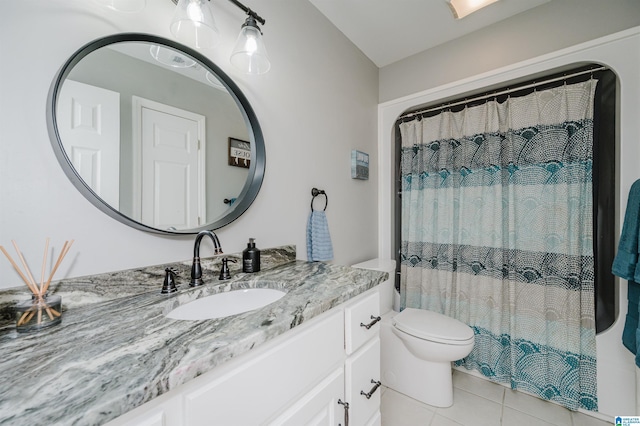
(319, 246)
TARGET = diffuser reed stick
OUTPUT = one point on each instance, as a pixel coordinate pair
(65, 249)
(26, 268)
(15, 266)
(39, 302)
(44, 263)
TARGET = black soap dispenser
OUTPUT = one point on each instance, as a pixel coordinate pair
(251, 257)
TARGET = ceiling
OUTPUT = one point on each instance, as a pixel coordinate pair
(390, 30)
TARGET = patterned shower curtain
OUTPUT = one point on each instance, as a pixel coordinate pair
(497, 232)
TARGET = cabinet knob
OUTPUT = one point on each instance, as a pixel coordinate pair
(373, 389)
(372, 323)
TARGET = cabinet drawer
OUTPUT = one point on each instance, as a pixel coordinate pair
(361, 312)
(362, 371)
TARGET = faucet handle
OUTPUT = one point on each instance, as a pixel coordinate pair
(169, 284)
(224, 272)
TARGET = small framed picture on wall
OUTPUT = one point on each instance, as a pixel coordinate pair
(359, 165)
(239, 153)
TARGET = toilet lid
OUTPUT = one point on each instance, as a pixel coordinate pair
(431, 325)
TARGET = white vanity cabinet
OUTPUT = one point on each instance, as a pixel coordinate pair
(303, 377)
(356, 383)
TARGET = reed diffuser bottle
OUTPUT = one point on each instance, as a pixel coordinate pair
(38, 313)
(43, 310)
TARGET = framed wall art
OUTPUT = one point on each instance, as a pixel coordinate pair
(359, 165)
(239, 153)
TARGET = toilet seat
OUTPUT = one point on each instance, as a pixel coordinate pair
(432, 326)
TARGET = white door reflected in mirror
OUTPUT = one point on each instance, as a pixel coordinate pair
(89, 125)
(171, 146)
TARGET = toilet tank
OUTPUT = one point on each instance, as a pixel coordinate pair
(389, 297)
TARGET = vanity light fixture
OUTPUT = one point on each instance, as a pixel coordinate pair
(170, 57)
(213, 80)
(462, 8)
(249, 54)
(193, 23)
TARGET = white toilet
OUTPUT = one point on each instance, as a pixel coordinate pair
(418, 347)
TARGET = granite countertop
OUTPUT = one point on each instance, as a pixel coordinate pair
(116, 350)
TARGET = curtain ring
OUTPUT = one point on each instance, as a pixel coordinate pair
(315, 192)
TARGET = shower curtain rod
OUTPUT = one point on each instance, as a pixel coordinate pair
(503, 92)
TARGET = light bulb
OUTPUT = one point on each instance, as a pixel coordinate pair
(249, 54)
(194, 12)
(251, 45)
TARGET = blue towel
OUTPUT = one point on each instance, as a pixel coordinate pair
(625, 265)
(319, 246)
(630, 331)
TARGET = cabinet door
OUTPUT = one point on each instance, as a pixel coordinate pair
(358, 316)
(376, 420)
(319, 407)
(362, 371)
(267, 383)
(163, 411)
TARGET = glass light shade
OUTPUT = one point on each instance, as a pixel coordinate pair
(123, 5)
(213, 80)
(250, 55)
(194, 25)
(462, 8)
(170, 57)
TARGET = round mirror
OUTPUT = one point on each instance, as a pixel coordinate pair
(155, 135)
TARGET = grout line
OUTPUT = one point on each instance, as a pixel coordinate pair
(504, 395)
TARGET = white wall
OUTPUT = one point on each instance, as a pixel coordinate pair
(316, 104)
(547, 28)
(621, 52)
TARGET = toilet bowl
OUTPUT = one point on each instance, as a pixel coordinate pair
(418, 347)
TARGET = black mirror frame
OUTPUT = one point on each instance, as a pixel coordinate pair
(258, 160)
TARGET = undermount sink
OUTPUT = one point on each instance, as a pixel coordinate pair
(222, 305)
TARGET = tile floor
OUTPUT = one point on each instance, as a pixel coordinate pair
(479, 402)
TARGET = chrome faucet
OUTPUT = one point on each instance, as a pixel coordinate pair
(196, 269)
